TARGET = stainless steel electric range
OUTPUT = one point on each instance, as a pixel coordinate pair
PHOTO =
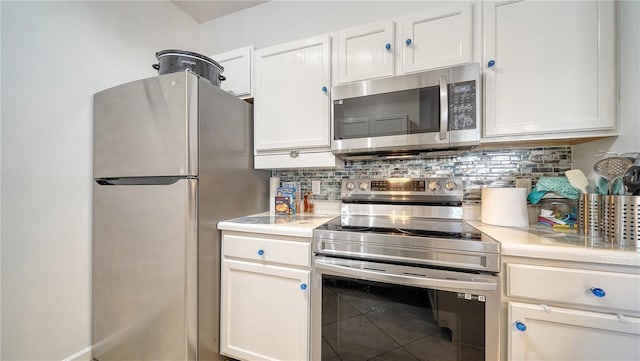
(400, 275)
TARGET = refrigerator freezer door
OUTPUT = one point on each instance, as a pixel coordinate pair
(145, 271)
(147, 128)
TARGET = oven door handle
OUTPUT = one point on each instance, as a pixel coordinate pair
(427, 278)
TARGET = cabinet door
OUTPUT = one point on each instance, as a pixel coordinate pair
(437, 38)
(366, 52)
(238, 69)
(292, 95)
(565, 334)
(549, 67)
(264, 311)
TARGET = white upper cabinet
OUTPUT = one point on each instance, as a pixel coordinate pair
(292, 95)
(292, 105)
(437, 38)
(549, 68)
(365, 52)
(238, 71)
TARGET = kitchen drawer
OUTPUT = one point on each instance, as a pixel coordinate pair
(267, 250)
(574, 286)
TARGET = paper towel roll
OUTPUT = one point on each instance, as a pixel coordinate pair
(274, 183)
(505, 207)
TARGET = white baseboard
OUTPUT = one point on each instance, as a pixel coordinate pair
(83, 355)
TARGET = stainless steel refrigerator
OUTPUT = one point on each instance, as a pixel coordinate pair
(172, 157)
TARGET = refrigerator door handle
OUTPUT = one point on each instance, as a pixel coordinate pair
(138, 181)
(191, 268)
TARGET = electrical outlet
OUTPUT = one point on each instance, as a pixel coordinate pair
(315, 186)
(524, 183)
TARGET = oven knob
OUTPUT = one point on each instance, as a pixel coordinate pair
(450, 186)
(364, 186)
(350, 186)
(433, 186)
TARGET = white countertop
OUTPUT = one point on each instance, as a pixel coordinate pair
(538, 242)
(300, 225)
(535, 241)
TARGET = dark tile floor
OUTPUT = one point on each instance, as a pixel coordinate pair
(362, 323)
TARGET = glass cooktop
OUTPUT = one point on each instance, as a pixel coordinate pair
(438, 229)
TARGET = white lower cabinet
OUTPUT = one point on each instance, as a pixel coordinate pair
(571, 311)
(551, 333)
(265, 302)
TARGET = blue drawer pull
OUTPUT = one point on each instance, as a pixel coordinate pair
(521, 326)
(303, 286)
(260, 252)
(598, 292)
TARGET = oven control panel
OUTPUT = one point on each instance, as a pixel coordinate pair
(411, 185)
(407, 187)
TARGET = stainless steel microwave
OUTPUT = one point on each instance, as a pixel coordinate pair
(438, 109)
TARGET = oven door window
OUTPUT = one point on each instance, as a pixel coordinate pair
(404, 112)
(363, 320)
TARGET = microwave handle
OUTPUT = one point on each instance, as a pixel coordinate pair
(444, 108)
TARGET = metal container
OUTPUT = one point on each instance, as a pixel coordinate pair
(590, 214)
(172, 61)
(621, 220)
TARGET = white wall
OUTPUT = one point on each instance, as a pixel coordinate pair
(628, 45)
(55, 55)
(277, 22)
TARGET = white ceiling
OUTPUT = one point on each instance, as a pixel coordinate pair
(205, 10)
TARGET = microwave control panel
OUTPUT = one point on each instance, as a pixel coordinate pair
(462, 105)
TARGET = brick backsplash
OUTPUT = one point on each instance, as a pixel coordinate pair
(477, 168)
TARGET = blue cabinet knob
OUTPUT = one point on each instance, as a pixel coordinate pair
(598, 292)
(491, 63)
(260, 252)
(408, 42)
(388, 46)
(521, 326)
(324, 89)
(303, 286)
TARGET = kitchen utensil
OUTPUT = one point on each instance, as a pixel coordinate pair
(173, 61)
(632, 180)
(602, 154)
(602, 186)
(633, 156)
(577, 179)
(612, 168)
(617, 187)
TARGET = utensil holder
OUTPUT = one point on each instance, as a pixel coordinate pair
(621, 220)
(590, 214)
